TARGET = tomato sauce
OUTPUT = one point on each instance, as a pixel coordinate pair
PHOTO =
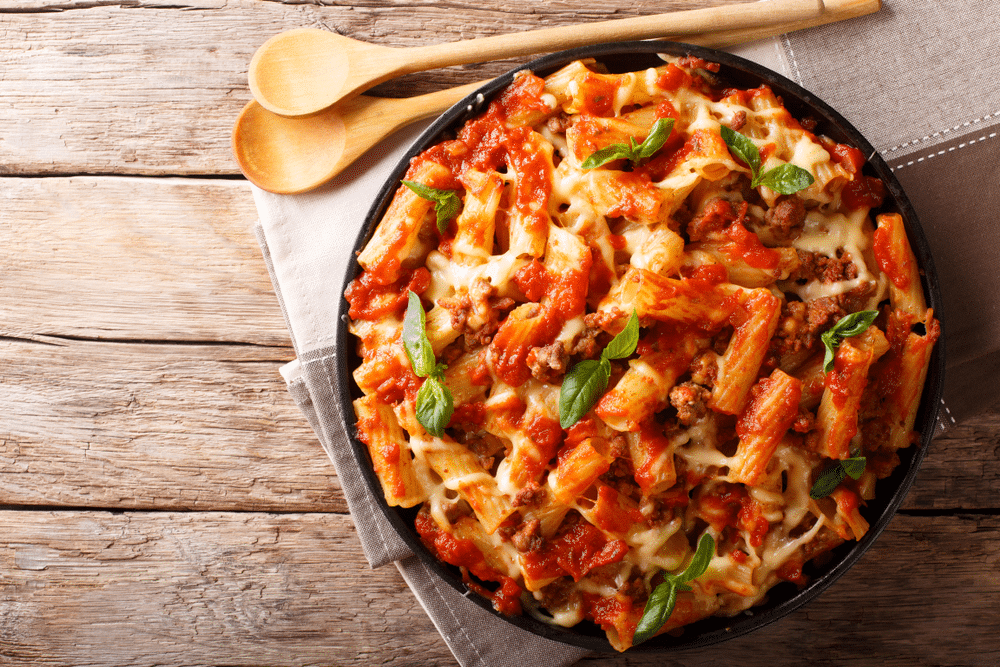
(601, 93)
(464, 554)
(514, 340)
(731, 505)
(371, 300)
(470, 414)
(575, 553)
(673, 78)
(393, 381)
(653, 443)
(893, 263)
(564, 293)
(791, 570)
(744, 244)
(637, 196)
(611, 515)
(863, 192)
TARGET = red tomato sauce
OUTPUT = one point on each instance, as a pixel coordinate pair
(370, 300)
(464, 554)
(575, 553)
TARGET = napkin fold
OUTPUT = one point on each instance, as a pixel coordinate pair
(916, 79)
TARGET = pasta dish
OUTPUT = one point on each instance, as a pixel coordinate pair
(636, 347)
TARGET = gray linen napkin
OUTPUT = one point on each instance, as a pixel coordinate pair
(915, 79)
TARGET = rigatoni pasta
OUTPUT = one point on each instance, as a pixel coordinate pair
(748, 385)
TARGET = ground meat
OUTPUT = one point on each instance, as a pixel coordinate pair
(558, 123)
(530, 496)
(804, 421)
(621, 477)
(548, 363)
(559, 594)
(716, 216)
(814, 266)
(738, 121)
(528, 537)
(704, 368)
(786, 218)
(619, 446)
(486, 446)
(690, 400)
(802, 323)
(477, 312)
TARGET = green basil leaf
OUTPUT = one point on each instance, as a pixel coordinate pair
(787, 179)
(854, 467)
(855, 323)
(657, 136)
(742, 147)
(625, 342)
(831, 342)
(658, 609)
(653, 142)
(446, 202)
(846, 327)
(827, 482)
(418, 348)
(661, 603)
(702, 557)
(434, 406)
(581, 388)
(606, 155)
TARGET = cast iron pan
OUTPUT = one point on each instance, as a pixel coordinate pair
(785, 597)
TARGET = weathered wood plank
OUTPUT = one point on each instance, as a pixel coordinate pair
(91, 86)
(133, 258)
(252, 589)
(201, 588)
(962, 468)
(156, 427)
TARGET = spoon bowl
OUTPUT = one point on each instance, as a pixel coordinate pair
(291, 155)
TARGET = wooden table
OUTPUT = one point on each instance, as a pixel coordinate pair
(163, 500)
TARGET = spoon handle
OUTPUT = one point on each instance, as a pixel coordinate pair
(689, 22)
(836, 10)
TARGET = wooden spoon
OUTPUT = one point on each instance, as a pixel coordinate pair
(292, 155)
(303, 71)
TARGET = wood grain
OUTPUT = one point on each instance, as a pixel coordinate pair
(108, 425)
(134, 259)
(199, 588)
(95, 588)
(137, 87)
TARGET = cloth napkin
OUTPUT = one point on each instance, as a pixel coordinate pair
(917, 79)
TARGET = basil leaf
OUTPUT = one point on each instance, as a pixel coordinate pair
(661, 602)
(446, 202)
(657, 136)
(581, 388)
(653, 142)
(658, 609)
(742, 147)
(625, 342)
(787, 179)
(434, 406)
(418, 348)
(827, 482)
(606, 155)
(702, 557)
(854, 467)
(855, 323)
(846, 327)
